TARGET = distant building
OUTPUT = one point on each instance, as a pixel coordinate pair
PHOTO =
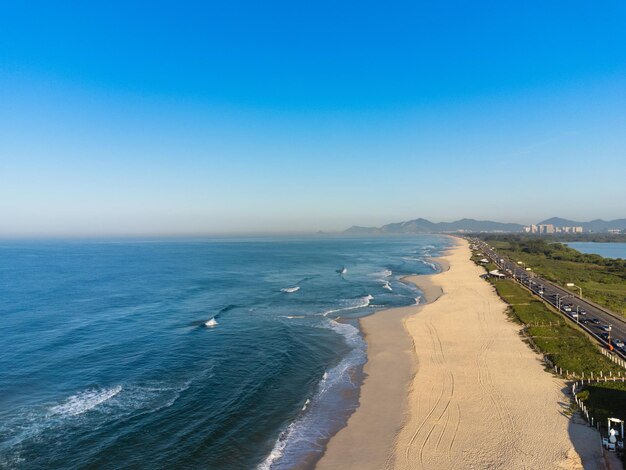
(614, 231)
(547, 228)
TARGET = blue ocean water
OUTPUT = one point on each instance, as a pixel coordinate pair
(606, 250)
(225, 354)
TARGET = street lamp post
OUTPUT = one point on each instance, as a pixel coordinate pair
(520, 263)
(580, 290)
(530, 273)
(560, 300)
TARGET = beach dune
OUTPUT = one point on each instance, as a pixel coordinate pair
(452, 385)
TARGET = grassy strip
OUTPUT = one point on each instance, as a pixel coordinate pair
(605, 400)
(476, 257)
(562, 343)
(566, 347)
(602, 280)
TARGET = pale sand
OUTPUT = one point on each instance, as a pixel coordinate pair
(478, 397)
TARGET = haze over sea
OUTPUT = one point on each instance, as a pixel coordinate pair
(107, 360)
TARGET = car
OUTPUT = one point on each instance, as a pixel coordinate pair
(584, 320)
(540, 291)
(604, 336)
(618, 343)
(595, 321)
(606, 328)
(582, 312)
(567, 308)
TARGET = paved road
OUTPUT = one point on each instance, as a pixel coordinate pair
(591, 317)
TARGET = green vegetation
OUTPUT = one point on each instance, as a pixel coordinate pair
(602, 280)
(590, 237)
(567, 347)
(560, 341)
(605, 400)
(477, 256)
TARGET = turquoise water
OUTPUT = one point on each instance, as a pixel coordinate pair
(107, 360)
(606, 250)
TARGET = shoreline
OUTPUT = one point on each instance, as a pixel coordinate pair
(384, 385)
(442, 372)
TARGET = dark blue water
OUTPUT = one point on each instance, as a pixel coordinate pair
(107, 360)
(606, 250)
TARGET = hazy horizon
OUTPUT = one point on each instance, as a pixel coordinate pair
(242, 118)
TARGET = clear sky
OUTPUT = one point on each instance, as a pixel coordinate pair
(209, 117)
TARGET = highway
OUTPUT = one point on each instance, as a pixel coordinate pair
(591, 317)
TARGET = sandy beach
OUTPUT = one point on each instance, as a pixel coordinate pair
(451, 384)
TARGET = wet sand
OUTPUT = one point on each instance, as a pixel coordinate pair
(451, 384)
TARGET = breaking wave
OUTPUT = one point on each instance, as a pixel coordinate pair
(362, 302)
(84, 401)
(323, 414)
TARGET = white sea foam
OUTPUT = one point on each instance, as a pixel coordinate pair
(423, 261)
(428, 263)
(289, 290)
(359, 303)
(211, 323)
(84, 401)
(294, 316)
(383, 274)
(304, 434)
(386, 285)
(92, 407)
(417, 300)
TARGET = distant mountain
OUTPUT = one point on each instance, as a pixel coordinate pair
(597, 225)
(426, 226)
(471, 225)
(559, 222)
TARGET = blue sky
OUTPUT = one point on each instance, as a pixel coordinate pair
(189, 118)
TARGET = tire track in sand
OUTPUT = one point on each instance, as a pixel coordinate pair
(505, 419)
(440, 408)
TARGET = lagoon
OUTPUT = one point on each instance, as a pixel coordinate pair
(606, 250)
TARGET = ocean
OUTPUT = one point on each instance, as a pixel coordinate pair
(606, 250)
(215, 353)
